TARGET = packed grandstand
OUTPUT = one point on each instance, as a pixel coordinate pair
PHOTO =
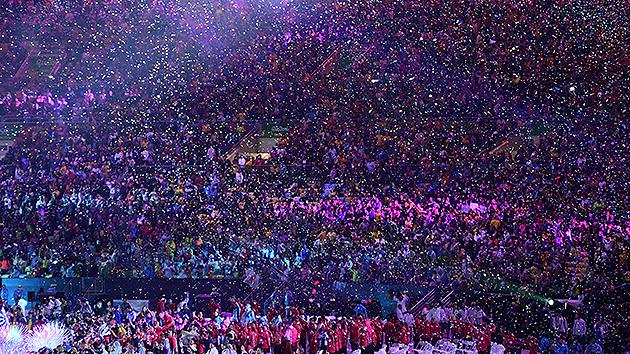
(267, 176)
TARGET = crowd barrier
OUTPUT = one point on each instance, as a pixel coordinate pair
(33, 289)
(327, 297)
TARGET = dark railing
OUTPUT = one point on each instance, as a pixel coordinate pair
(327, 297)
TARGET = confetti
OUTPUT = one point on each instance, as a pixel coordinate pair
(478, 148)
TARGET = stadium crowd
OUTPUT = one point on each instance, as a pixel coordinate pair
(172, 327)
(386, 175)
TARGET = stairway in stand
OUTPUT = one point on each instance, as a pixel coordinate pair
(10, 127)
